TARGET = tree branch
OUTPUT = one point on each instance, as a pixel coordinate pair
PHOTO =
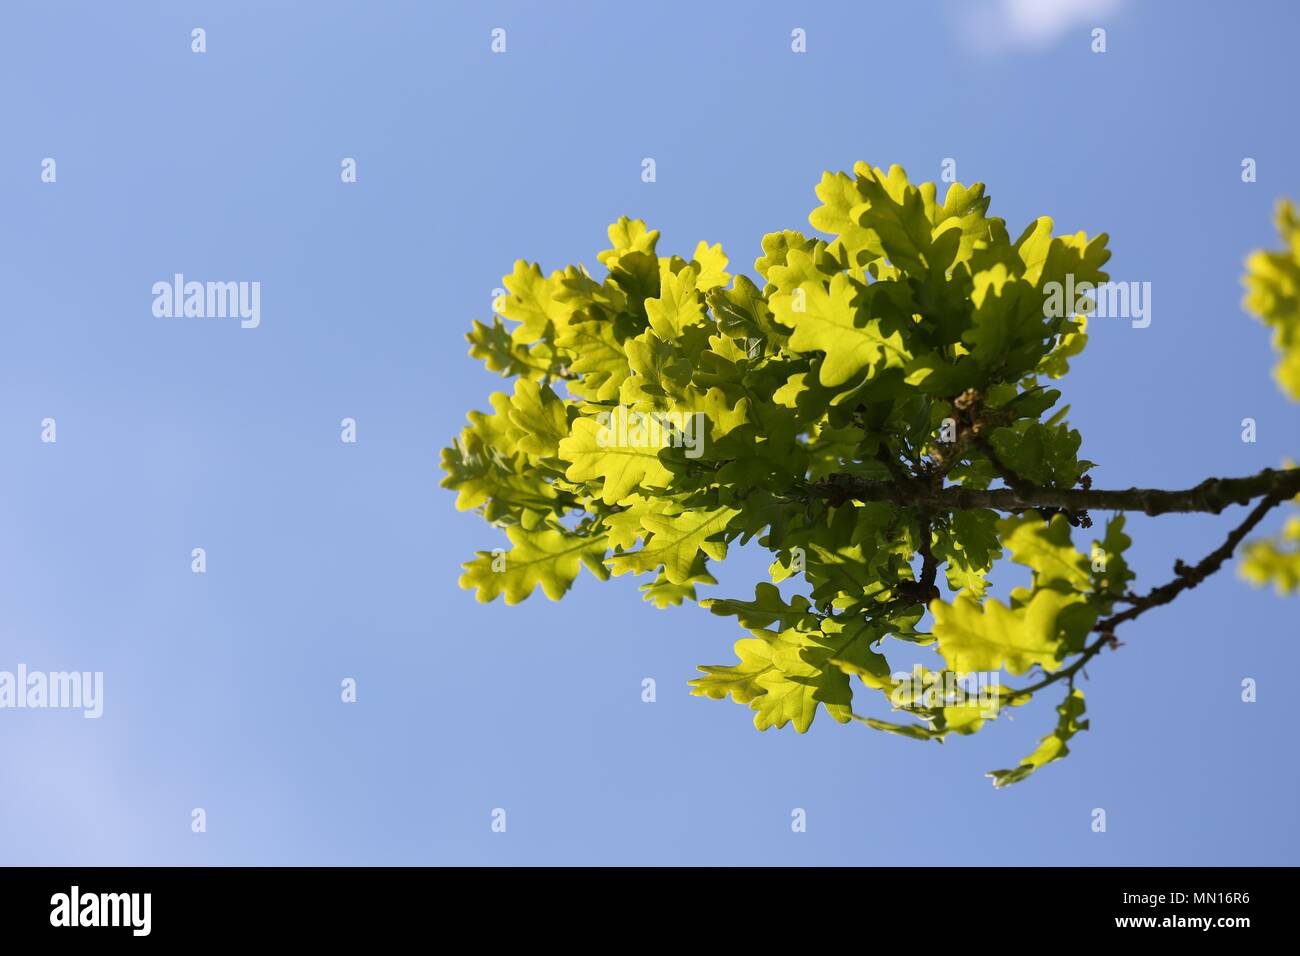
(923, 590)
(1022, 487)
(1211, 495)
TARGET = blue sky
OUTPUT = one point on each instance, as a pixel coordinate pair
(328, 560)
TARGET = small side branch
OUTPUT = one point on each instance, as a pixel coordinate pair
(924, 589)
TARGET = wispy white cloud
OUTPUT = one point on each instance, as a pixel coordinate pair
(992, 25)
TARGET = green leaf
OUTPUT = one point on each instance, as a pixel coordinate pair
(1110, 572)
(767, 608)
(1046, 455)
(710, 264)
(738, 681)
(663, 593)
(600, 360)
(484, 478)
(1272, 283)
(678, 305)
(1052, 747)
(541, 416)
(743, 311)
(840, 195)
(674, 543)
(494, 346)
(531, 303)
(894, 211)
(628, 235)
(545, 557)
(993, 636)
(970, 546)
(596, 450)
(784, 676)
(1048, 550)
(915, 731)
(1275, 560)
(825, 320)
(661, 372)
